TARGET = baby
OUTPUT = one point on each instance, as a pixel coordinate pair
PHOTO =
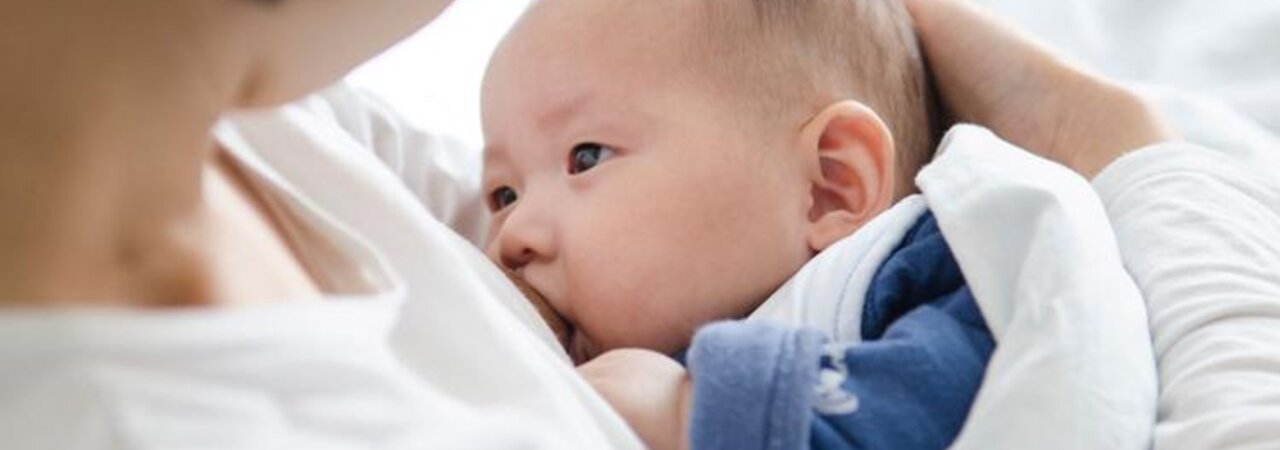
(656, 166)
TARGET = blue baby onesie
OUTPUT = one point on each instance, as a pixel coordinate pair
(908, 385)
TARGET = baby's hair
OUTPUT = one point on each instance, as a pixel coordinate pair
(780, 54)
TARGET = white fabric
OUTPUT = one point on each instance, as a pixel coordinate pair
(1200, 232)
(314, 375)
(828, 293)
(1073, 362)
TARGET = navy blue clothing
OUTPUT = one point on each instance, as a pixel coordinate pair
(908, 385)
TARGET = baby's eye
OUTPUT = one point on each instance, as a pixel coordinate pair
(586, 156)
(502, 197)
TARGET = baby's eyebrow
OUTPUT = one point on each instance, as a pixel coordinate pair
(557, 115)
(554, 116)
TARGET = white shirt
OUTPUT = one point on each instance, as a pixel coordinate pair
(1199, 231)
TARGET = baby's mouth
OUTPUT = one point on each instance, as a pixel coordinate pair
(580, 348)
(562, 329)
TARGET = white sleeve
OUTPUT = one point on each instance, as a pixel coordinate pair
(443, 173)
(1200, 233)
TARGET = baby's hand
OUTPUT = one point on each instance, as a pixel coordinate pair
(650, 390)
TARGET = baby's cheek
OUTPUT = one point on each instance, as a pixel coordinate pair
(636, 321)
(642, 270)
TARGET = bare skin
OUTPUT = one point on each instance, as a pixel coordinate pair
(991, 74)
(987, 73)
(112, 190)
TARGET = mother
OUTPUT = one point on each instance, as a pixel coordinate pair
(173, 277)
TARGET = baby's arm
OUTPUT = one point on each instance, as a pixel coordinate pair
(912, 388)
(753, 385)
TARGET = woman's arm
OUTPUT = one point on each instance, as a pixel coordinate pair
(990, 74)
(1200, 234)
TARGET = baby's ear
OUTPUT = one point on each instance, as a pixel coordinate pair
(850, 164)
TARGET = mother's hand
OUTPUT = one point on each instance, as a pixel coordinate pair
(988, 73)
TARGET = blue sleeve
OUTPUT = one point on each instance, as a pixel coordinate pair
(751, 386)
(760, 386)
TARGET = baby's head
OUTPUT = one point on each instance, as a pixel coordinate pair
(655, 165)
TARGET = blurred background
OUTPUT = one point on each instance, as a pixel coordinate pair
(1220, 55)
(433, 77)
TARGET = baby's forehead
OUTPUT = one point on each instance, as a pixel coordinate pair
(631, 24)
(618, 49)
(561, 48)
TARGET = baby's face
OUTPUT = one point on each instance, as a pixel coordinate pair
(632, 199)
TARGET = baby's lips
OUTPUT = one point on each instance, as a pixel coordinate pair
(557, 323)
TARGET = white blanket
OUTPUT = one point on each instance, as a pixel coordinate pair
(1073, 366)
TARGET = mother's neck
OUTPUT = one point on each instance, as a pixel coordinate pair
(104, 131)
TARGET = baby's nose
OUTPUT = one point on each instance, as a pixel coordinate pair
(523, 239)
(516, 259)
